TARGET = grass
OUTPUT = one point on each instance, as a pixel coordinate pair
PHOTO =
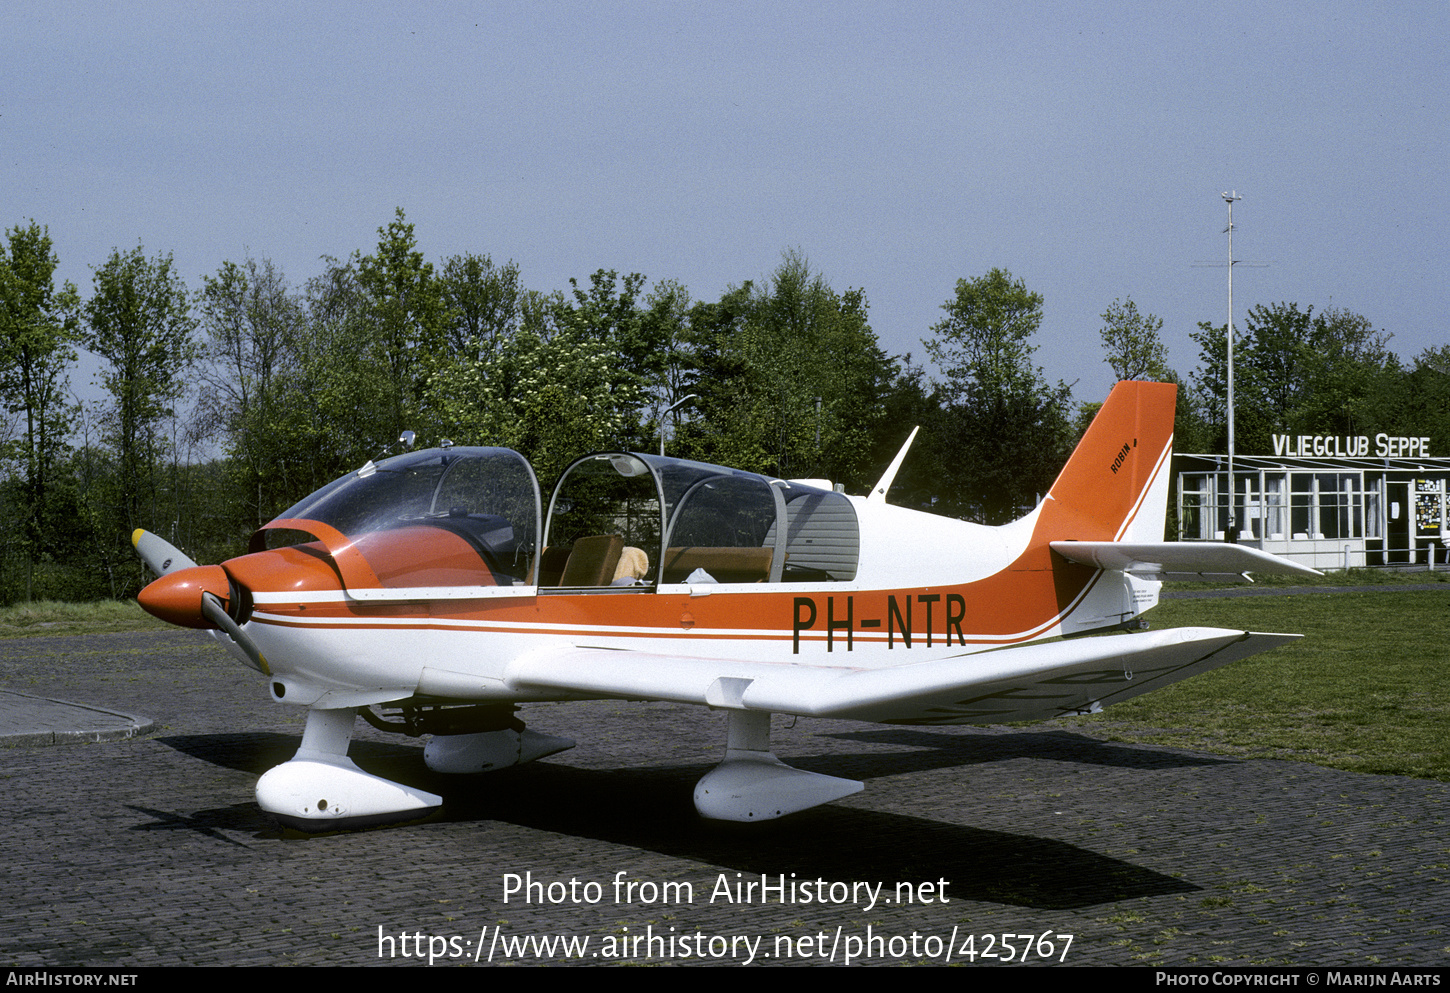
(1339, 577)
(51, 618)
(1365, 690)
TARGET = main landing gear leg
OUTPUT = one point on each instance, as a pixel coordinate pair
(321, 789)
(753, 785)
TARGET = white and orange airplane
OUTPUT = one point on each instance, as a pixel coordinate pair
(433, 592)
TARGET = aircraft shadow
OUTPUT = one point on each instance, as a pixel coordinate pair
(208, 823)
(944, 748)
(652, 808)
(259, 751)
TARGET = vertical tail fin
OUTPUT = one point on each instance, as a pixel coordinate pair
(1115, 485)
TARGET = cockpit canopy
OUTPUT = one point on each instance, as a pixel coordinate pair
(472, 517)
(700, 523)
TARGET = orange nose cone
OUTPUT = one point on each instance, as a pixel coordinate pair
(176, 597)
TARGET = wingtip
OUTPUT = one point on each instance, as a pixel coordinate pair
(136, 537)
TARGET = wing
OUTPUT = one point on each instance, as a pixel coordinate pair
(1031, 682)
(1190, 560)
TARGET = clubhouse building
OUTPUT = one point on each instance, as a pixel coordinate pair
(1326, 501)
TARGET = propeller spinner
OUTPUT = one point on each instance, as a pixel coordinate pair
(191, 595)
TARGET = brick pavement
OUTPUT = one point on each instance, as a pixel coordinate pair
(151, 850)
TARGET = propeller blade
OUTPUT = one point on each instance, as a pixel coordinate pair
(160, 555)
(213, 610)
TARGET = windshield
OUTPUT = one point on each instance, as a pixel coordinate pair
(487, 498)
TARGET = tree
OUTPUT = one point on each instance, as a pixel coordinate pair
(1278, 346)
(983, 343)
(253, 324)
(1351, 374)
(667, 322)
(1210, 378)
(372, 333)
(1296, 372)
(1003, 433)
(609, 312)
(139, 322)
(907, 401)
(708, 362)
(1420, 402)
(554, 399)
(38, 327)
(789, 377)
(1252, 423)
(408, 314)
(338, 399)
(1135, 351)
(482, 301)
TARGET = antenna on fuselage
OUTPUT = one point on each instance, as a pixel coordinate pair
(878, 492)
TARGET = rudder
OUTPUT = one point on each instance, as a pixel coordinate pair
(1115, 485)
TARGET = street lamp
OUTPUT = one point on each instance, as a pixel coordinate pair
(670, 410)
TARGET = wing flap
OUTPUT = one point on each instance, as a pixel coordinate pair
(1179, 560)
(1030, 682)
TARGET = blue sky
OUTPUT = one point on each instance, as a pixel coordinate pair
(900, 147)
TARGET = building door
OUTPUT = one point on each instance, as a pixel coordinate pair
(1398, 519)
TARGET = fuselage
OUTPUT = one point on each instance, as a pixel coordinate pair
(389, 642)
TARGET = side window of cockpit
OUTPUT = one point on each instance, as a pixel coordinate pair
(823, 541)
(722, 532)
(727, 529)
(604, 526)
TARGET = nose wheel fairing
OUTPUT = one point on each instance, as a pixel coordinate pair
(332, 794)
(321, 789)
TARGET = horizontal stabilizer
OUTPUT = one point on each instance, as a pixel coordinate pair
(1030, 682)
(1179, 560)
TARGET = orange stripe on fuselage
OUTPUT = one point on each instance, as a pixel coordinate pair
(1015, 605)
